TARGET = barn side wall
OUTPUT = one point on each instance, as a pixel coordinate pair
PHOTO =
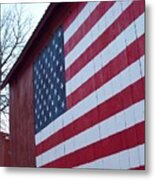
(22, 116)
(21, 119)
(22, 142)
(4, 150)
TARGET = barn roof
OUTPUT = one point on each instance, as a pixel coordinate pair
(37, 32)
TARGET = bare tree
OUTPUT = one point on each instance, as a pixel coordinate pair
(15, 27)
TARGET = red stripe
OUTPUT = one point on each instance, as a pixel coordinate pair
(106, 147)
(86, 26)
(132, 94)
(102, 41)
(124, 59)
(74, 10)
(138, 168)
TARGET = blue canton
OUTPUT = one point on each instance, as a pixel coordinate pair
(49, 82)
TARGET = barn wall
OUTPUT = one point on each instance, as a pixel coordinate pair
(4, 149)
(21, 119)
(22, 115)
(21, 95)
(104, 125)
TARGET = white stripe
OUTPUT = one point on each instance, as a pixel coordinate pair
(107, 127)
(90, 101)
(142, 64)
(121, 41)
(109, 17)
(119, 160)
(79, 20)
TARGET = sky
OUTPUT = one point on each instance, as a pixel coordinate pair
(36, 10)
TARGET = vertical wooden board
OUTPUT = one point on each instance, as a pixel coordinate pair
(108, 92)
(61, 150)
(99, 79)
(131, 76)
(120, 120)
(22, 122)
(67, 119)
(71, 144)
(94, 102)
(4, 150)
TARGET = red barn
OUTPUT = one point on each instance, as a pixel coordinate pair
(77, 89)
(4, 149)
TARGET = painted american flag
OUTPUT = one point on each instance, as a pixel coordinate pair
(89, 89)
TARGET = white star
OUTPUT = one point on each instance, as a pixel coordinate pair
(61, 68)
(35, 82)
(44, 103)
(59, 33)
(52, 102)
(53, 42)
(50, 114)
(44, 56)
(58, 80)
(46, 91)
(51, 54)
(57, 62)
(46, 60)
(50, 97)
(60, 50)
(41, 97)
(35, 96)
(49, 80)
(54, 58)
(54, 74)
(35, 70)
(38, 102)
(44, 71)
(56, 110)
(56, 46)
(41, 81)
(37, 73)
(62, 104)
(40, 123)
(37, 87)
(51, 69)
(39, 76)
(48, 65)
(58, 98)
(47, 108)
(51, 86)
(42, 112)
(55, 91)
(61, 86)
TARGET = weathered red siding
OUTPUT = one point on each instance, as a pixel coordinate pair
(21, 95)
(22, 142)
(21, 119)
(4, 149)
